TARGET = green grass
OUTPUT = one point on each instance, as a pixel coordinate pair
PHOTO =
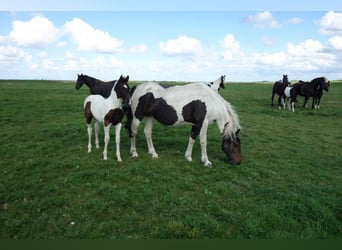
(288, 186)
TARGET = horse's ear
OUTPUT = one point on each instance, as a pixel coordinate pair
(127, 78)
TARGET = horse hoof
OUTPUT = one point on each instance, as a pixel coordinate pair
(208, 164)
(155, 156)
(119, 160)
(188, 158)
(135, 155)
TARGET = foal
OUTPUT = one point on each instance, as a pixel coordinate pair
(108, 111)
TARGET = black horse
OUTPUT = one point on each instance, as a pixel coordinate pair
(312, 89)
(279, 88)
(97, 87)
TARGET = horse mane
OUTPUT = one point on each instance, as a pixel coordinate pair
(318, 80)
(233, 124)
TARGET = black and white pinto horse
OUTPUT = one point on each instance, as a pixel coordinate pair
(189, 104)
(279, 88)
(312, 89)
(108, 111)
(96, 87)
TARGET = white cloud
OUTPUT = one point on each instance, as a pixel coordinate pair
(295, 20)
(231, 47)
(36, 33)
(182, 46)
(305, 49)
(138, 49)
(274, 59)
(336, 42)
(88, 38)
(262, 20)
(266, 41)
(331, 23)
(229, 42)
(12, 54)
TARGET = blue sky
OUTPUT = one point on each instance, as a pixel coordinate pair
(182, 40)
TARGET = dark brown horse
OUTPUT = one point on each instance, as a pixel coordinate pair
(279, 88)
(96, 87)
(312, 89)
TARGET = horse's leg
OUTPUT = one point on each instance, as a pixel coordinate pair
(272, 98)
(96, 128)
(89, 130)
(283, 101)
(134, 128)
(305, 101)
(188, 152)
(148, 136)
(106, 140)
(313, 106)
(279, 102)
(203, 141)
(117, 141)
(318, 101)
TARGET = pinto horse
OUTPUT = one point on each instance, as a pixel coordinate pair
(279, 88)
(97, 87)
(312, 89)
(108, 111)
(188, 104)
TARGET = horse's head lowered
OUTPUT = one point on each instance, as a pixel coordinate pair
(122, 90)
(231, 146)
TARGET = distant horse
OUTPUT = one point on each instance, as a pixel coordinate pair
(109, 112)
(218, 83)
(97, 87)
(279, 88)
(312, 89)
(187, 104)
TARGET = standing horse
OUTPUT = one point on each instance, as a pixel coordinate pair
(109, 112)
(320, 84)
(218, 83)
(188, 104)
(312, 89)
(279, 88)
(97, 87)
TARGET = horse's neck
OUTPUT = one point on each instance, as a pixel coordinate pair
(217, 83)
(228, 122)
(90, 82)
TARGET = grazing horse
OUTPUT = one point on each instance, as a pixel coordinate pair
(109, 112)
(187, 104)
(97, 87)
(312, 89)
(279, 88)
(218, 83)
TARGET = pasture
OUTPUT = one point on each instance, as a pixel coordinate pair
(289, 185)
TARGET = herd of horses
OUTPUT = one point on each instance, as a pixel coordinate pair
(288, 92)
(195, 104)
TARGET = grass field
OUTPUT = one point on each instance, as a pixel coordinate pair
(289, 184)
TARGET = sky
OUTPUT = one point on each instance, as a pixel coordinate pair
(188, 40)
